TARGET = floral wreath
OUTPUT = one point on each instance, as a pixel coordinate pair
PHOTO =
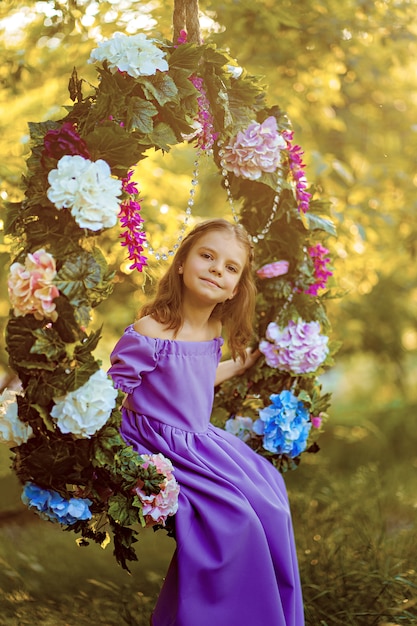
(63, 425)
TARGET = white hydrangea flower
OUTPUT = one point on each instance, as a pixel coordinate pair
(88, 189)
(135, 54)
(84, 411)
(13, 431)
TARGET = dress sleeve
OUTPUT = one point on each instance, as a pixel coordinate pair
(133, 355)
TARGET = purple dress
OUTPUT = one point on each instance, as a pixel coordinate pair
(235, 561)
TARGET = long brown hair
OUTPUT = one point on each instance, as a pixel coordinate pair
(236, 314)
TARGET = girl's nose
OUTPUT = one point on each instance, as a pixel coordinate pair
(216, 269)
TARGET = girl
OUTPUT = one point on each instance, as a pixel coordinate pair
(235, 561)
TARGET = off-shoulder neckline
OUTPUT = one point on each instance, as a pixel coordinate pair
(131, 328)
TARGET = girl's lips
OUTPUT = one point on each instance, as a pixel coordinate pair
(211, 282)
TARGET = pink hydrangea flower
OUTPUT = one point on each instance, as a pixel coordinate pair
(298, 348)
(158, 507)
(272, 270)
(255, 150)
(31, 288)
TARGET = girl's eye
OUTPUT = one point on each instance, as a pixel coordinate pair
(232, 268)
(206, 255)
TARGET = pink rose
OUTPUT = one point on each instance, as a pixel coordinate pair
(272, 270)
(157, 507)
(30, 286)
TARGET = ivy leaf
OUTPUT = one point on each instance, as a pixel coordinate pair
(186, 56)
(178, 123)
(123, 539)
(316, 222)
(119, 508)
(79, 273)
(106, 444)
(38, 130)
(160, 87)
(66, 325)
(215, 57)
(20, 338)
(113, 144)
(304, 397)
(13, 211)
(184, 85)
(163, 137)
(83, 352)
(82, 315)
(42, 389)
(49, 343)
(140, 114)
(81, 374)
(45, 416)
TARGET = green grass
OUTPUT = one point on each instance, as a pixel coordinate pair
(354, 509)
(46, 579)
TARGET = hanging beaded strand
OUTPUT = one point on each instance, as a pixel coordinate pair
(261, 235)
(163, 256)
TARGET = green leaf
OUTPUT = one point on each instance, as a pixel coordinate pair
(304, 397)
(79, 273)
(123, 540)
(13, 212)
(214, 56)
(80, 375)
(20, 337)
(38, 130)
(163, 137)
(160, 87)
(186, 56)
(140, 114)
(66, 324)
(316, 222)
(184, 85)
(119, 508)
(113, 144)
(82, 315)
(83, 351)
(46, 418)
(106, 443)
(49, 343)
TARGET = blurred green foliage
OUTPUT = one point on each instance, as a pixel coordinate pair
(344, 72)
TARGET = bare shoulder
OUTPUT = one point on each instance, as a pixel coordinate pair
(149, 327)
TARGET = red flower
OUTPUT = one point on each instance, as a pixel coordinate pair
(60, 142)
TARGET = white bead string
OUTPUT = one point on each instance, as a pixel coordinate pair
(161, 255)
(158, 254)
(261, 235)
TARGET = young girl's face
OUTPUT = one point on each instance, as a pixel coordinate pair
(213, 267)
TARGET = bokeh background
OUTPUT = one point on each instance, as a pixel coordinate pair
(346, 73)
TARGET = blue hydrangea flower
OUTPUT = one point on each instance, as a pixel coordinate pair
(50, 505)
(285, 425)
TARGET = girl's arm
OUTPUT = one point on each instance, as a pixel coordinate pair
(228, 369)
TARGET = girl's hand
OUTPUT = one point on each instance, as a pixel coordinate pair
(251, 357)
(228, 369)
